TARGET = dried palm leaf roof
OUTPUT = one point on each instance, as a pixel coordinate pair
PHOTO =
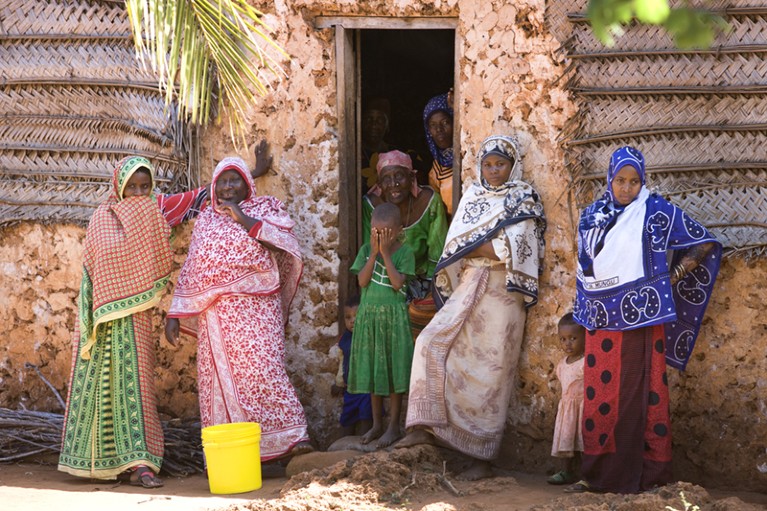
(74, 100)
(700, 117)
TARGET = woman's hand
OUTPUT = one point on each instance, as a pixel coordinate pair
(233, 210)
(336, 390)
(484, 250)
(263, 160)
(691, 260)
(171, 330)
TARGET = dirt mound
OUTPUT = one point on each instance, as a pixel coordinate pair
(384, 475)
(399, 479)
(673, 497)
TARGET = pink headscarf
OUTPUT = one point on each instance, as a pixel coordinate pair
(395, 159)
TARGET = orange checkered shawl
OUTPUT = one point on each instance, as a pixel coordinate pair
(127, 258)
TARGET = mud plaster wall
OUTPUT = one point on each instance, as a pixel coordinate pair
(508, 71)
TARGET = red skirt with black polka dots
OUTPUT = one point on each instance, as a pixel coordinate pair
(626, 422)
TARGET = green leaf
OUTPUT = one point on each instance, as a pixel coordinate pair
(690, 28)
(199, 48)
(654, 12)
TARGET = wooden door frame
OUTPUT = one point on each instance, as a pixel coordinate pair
(348, 88)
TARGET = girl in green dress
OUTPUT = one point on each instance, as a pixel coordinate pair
(382, 346)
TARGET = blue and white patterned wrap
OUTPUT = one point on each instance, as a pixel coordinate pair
(651, 300)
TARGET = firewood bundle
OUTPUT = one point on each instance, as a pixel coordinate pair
(26, 434)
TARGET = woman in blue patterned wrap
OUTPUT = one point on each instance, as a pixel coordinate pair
(641, 313)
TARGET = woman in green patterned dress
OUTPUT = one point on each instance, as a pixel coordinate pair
(424, 225)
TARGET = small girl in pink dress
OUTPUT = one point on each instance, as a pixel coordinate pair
(568, 440)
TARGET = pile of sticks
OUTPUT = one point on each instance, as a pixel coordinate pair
(30, 434)
(26, 434)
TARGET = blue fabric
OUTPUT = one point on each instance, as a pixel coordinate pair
(357, 407)
(600, 217)
(438, 104)
(651, 300)
(345, 343)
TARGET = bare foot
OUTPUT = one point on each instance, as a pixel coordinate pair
(301, 448)
(389, 437)
(478, 470)
(415, 437)
(372, 434)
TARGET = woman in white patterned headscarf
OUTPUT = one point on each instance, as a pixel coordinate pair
(466, 358)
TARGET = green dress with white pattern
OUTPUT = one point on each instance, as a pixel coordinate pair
(382, 344)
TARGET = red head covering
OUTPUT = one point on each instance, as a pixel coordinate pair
(395, 159)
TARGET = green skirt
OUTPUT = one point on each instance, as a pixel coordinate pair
(111, 422)
(382, 350)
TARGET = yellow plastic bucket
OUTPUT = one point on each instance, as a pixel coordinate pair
(233, 456)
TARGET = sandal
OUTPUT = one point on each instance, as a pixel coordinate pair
(144, 477)
(581, 486)
(561, 477)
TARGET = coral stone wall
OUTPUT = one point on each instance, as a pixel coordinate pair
(508, 84)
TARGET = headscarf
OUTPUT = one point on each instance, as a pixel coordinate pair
(438, 104)
(127, 255)
(505, 147)
(224, 259)
(238, 165)
(125, 170)
(395, 159)
(601, 216)
(485, 211)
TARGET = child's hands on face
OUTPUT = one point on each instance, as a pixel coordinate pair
(374, 241)
(387, 240)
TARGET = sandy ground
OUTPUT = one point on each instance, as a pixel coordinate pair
(408, 481)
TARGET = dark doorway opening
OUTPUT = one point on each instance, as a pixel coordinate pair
(407, 61)
(406, 68)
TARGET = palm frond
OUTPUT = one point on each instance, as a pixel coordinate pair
(201, 48)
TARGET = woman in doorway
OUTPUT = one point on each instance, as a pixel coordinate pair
(438, 125)
(375, 127)
(239, 278)
(465, 359)
(423, 216)
(640, 314)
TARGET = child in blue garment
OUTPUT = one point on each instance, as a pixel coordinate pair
(357, 414)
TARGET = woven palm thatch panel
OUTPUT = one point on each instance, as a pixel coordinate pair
(655, 71)
(73, 17)
(712, 144)
(104, 59)
(671, 180)
(603, 114)
(146, 106)
(700, 117)
(745, 30)
(75, 100)
(561, 15)
(85, 165)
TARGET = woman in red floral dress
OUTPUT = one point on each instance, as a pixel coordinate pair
(239, 279)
